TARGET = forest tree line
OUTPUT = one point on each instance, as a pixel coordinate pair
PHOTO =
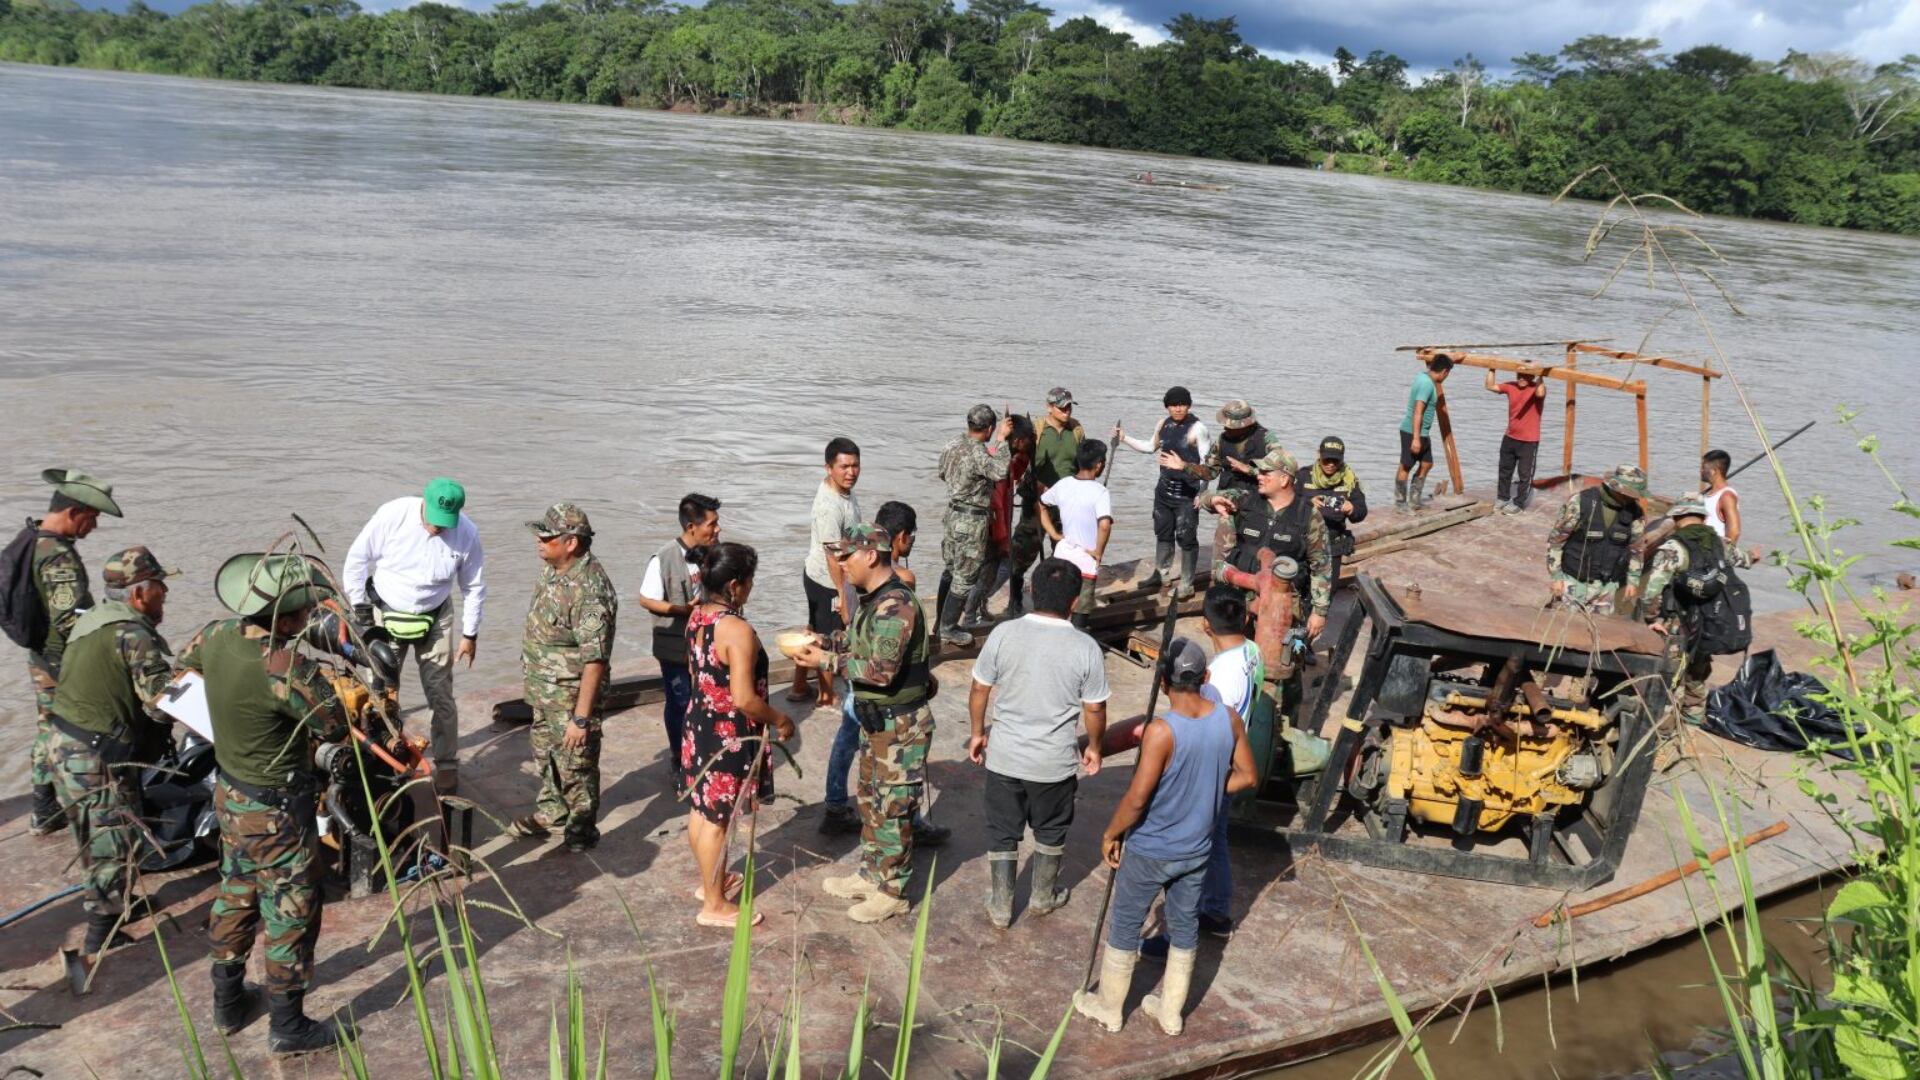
(1823, 139)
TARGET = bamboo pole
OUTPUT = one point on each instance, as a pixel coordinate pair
(1566, 454)
(1446, 439)
(1640, 416)
(1658, 881)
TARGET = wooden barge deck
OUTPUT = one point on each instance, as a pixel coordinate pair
(1290, 985)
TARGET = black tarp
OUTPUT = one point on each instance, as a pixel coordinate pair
(1768, 707)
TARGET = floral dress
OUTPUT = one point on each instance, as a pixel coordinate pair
(716, 732)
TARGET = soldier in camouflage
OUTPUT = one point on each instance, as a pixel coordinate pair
(1056, 441)
(1593, 550)
(971, 467)
(60, 582)
(565, 653)
(1670, 560)
(885, 655)
(105, 726)
(269, 705)
(1276, 514)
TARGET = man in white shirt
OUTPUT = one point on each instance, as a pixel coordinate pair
(1084, 509)
(400, 575)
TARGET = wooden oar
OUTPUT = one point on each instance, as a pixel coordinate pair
(1658, 881)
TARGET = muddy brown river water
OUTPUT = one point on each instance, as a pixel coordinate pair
(241, 302)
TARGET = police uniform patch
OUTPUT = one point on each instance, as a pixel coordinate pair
(62, 597)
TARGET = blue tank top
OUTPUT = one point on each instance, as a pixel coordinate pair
(1180, 819)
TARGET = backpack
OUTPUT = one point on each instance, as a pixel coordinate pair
(1716, 607)
(22, 615)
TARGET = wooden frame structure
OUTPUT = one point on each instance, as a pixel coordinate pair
(1569, 373)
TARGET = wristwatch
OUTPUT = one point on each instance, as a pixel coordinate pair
(582, 722)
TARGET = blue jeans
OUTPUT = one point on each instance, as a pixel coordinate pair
(676, 682)
(1141, 878)
(846, 746)
(1216, 893)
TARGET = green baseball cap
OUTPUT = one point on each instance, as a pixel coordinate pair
(83, 489)
(444, 500)
(251, 583)
(1276, 460)
(861, 538)
(133, 566)
(562, 518)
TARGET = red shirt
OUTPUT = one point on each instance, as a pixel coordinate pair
(1524, 406)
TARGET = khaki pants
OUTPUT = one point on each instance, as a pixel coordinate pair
(433, 655)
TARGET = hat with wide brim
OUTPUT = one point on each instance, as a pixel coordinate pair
(251, 583)
(83, 489)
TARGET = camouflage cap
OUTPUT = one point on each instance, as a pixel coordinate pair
(1236, 414)
(861, 538)
(83, 489)
(1060, 397)
(1687, 506)
(563, 518)
(981, 417)
(1628, 480)
(133, 566)
(1276, 460)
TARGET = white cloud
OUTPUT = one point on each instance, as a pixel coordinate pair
(1113, 17)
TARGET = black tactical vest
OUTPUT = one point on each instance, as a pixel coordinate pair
(1246, 451)
(1283, 532)
(1598, 551)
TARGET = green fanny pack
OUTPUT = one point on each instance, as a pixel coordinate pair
(405, 625)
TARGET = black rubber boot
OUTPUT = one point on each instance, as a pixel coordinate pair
(1047, 895)
(1002, 868)
(101, 934)
(47, 816)
(1016, 596)
(950, 632)
(234, 1002)
(1162, 566)
(1189, 561)
(291, 1031)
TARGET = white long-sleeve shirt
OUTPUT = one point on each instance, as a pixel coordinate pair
(414, 570)
(1196, 438)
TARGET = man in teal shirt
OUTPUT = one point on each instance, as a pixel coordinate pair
(1415, 446)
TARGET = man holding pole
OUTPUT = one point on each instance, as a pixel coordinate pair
(1416, 448)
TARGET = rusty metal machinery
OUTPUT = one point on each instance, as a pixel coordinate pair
(1487, 740)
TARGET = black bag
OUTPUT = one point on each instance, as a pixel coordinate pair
(22, 615)
(1770, 708)
(1716, 607)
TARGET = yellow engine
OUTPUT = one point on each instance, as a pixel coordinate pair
(1464, 767)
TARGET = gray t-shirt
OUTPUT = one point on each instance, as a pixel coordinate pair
(834, 516)
(1042, 669)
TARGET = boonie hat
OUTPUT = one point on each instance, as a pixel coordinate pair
(1628, 480)
(1184, 664)
(83, 489)
(1236, 413)
(133, 566)
(563, 518)
(861, 538)
(1332, 449)
(252, 583)
(1275, 460)
(444, 499)
(1687, 506)
(1060, 398)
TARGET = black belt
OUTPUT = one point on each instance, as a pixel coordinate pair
(285, 798)
(109, 748)
(890, 712)
(969, 508)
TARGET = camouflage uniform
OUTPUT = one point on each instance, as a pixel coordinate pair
(570, 624)
(60, 578)
(116, 666)
(885, 656)
(1692, 672)
(970, 470)
(1319, 560)
(268, 706)
(1594, 597)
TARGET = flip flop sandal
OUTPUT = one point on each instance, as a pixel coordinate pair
(732, 890)
(727, 922)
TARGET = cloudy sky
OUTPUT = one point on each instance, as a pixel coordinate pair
(1431, 33)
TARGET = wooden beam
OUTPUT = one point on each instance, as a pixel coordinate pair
(1446, 439)
(1653, 361)
(1566, 453)
(1640, 414)
(1567, 374)
(1496, 345)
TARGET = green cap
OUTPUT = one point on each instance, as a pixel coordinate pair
(562, 518)
(1276, 460)
(133, 566)
(1628, 480)
(83, 489)
(1687, 506)
(252, 583)
(444, 500)
(861, 538)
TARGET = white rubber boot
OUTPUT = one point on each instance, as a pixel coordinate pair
(1107, 1004)
(1168, 1006)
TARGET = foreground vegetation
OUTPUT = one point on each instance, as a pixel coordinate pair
(1825, 140)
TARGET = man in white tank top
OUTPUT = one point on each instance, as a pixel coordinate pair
(1722, 502)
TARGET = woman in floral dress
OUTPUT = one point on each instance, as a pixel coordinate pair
(725, 760)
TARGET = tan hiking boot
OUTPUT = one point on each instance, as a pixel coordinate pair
(878, 908)
(851, 887)
(1107, 1004)
(1168, 1006)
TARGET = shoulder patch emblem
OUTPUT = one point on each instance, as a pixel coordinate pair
(63, 596)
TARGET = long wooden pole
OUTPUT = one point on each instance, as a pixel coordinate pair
(1706, 413)
(1446, 440)
(1658, 881)
(1566, 454)
(1640, 416)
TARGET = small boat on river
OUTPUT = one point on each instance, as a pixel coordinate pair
(1191, 185)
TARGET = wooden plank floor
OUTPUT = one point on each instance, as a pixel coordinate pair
(1290, 983)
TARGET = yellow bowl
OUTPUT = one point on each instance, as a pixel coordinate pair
(794, 641)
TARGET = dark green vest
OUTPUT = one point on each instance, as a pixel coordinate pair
(96, 690)
(917, 673)
(258, 737)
